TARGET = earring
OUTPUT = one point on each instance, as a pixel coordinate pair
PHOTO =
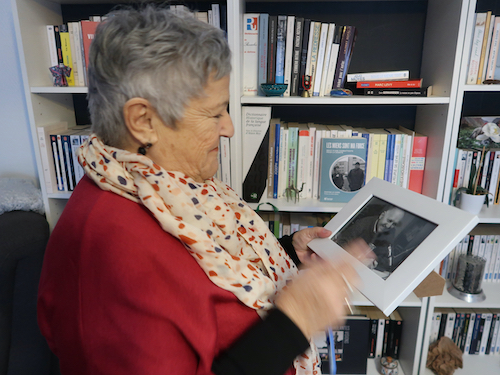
(142, 150)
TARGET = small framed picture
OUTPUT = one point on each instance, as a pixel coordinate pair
(408, 233)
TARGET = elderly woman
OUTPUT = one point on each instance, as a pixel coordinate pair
(155, 266)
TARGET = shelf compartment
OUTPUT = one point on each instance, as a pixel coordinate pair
(352, 100)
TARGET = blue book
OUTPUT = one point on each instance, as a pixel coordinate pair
(263, 40)
(276, 157)
(280, 49)
(389, 155)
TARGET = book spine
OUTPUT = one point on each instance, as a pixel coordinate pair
(314, 53)
(380, 338)
(495, 44)
(263, 38)
(310, 163)
(250, 53)
(477, 43)
(475, 334)
(282, 174)
(66, 53)
(396, 92)
(372, 339)
(75, 145)
(52, 45)
(62, 163)
(290, 29)
(84, 79)
(297, 49)
(345, 53)
(382, 156)
(270, 159)
(396, 75)
(280, 49)
(271, 49)
(318, 78)
(302, 160)
(417, 163)
(468, 337)
(57, 39)
(293, 135)
(486, 332)
(68, 161)
(276, 159)
(45, 158)
(389, 160)
(412, 83)
(73, 46)
(324, 91)
(225, 160)
(57, 163)
(492, 334)
(303, 55)
(484, 47)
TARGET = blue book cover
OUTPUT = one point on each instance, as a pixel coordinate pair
(389, 156)
(263, 39)
(280, 49)
(276, 158)
(342, 171)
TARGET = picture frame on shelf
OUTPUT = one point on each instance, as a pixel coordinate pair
(409, 234)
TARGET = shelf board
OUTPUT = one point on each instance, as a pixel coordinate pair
(59, 90)
(495, 87)
(303, 205)
(490, 215)
(61, 195)
(492, 301)
(351, 100)
(475, 364)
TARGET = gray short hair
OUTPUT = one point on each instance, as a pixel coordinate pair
(154, 54)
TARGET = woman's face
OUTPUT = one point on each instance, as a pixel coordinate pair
(192, 146)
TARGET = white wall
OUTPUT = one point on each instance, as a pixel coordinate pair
(16, 152)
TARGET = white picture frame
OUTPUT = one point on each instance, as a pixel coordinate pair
(427, 231)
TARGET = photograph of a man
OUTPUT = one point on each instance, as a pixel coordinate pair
(391, 232)
(356, 177)
(337, 177)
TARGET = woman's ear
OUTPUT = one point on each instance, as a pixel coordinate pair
(140, 118)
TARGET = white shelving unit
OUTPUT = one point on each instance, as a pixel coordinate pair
(447, 25)
(472, 364)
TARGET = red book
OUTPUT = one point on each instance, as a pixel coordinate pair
(417, 162)
(88, 31)
(416, 83)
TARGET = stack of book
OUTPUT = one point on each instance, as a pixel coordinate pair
(303, 53)
(483, 245)
(475, 331)
(484, 65)
(392, 83)
(69, 43)
(297, 162)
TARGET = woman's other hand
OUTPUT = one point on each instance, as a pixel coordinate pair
(302, 238)
(317, 298)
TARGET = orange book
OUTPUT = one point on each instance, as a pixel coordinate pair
(88, 31)
(414, 83)
(417, 161)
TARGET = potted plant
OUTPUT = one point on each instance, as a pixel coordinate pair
(476, 133)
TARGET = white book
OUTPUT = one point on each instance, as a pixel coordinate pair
(468, 338)
(323, 36)
(225, 160)
(46, 156)
(332, 64)
(380, 338)
(250, 53)
(496, 251)
(495, 44)
(490, 258)
(324, 90)
(462, 163)
(486, 164)
(486, 331)
(494, 335)
(302, 159)
(314, 54)
(52, 47)
(497, 345)
(494, 177)
(406, 175)
(468, 167)
(394, 75)
(450, 324)
(309, 50)
(283, 162)
(290, 27)
(62, 165)
(310, 157)
(75, 141)
(73, 39)
(436, 321)
(320, 129)
(216, 15)
(477, 44)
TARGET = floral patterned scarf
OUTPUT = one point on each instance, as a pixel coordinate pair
(230, 242)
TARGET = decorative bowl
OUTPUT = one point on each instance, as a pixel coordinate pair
(272, 89)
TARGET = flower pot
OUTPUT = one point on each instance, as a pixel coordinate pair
(471, 203)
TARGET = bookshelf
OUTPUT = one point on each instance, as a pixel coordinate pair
(426, 37)
(471, 100)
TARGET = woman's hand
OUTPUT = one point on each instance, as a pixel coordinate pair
(302, 238)
(317, 298)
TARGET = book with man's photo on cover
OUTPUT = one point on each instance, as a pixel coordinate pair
(408, 234)
(343, 164)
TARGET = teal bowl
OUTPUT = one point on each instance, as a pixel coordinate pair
(271, 89)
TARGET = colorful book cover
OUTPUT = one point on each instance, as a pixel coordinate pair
(411, 83)
(250, 53)
(280, 49)
(88, 31)
(345, 53)
(343, 163)
(66, 53)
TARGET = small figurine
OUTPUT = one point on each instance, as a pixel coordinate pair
(306, 85)
(292, 188)
(60, 73)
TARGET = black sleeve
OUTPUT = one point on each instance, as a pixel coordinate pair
(270, 346)
(286, 243)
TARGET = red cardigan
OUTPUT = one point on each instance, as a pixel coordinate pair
(119, 295)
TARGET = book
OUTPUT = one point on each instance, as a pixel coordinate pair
(395, 332)
(332, 63)
(424, 91)
(263, 39)
(88, 30)
(68, 161)
(411, 83)
(57, 41)
(297, 49)
(417, 162)
(75, 51)
(308, 188)
(484, 63)
(343, 163)
(435, 324)
(46, 155)
(318, 78)
(52, 46)
(303, 55)
(351, 345)
(283, 160)
(66, 53)
(493, 54)
(314, 50)
(250, 53)
(225, 156)
(293, 144)
(470, 329)
(57, 163)
(345, 53)
(270, 157)
(280, 49)
(324, 89)
(492, 333)
(484, 47)
(477, 44)
(394, 75)
(289, 48)
(487, 316)
(255, 141)
(303, 159)
(271, 49)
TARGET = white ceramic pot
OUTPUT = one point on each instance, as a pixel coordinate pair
(471, 203)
